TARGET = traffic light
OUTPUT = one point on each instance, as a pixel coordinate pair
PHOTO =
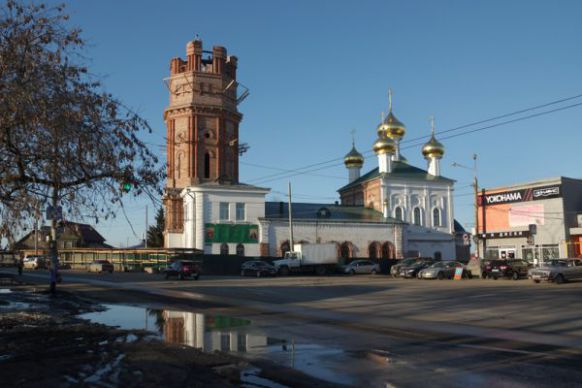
(126, 187)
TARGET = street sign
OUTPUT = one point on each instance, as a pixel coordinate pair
(54, 213)
(458, 273)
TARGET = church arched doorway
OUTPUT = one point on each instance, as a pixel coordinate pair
(284, 247)
(388, 250)
(346, 250)
(373, 249)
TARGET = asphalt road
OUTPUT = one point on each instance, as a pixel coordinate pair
(378, 331)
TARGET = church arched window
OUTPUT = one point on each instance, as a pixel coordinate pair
(417, 214)
(224, 249)
(240, 250)
(436, 217)
(398, 213)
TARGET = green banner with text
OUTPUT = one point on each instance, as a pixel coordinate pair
(228, 233)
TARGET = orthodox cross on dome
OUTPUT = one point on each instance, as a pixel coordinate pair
(353, 132)
(432, 124)
(389, 100)
(382, 115)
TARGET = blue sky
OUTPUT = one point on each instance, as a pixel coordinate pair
(318, 69)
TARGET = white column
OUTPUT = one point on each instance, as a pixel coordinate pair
(434, 167)
(384, 163)
(199, 228)
(450, 213)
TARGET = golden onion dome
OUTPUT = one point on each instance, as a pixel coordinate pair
(384, 145)
(433, 148)
(394, 128)
(354, 158)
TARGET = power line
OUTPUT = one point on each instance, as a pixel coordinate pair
(308, 169)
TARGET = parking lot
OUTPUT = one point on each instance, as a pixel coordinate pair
(491, 330)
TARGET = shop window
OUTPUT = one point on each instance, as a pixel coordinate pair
(224, 249)
(240, 211)
(224, 211)
(436, 217)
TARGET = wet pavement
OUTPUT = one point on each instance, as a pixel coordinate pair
(376, 331)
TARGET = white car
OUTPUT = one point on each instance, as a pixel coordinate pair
(35, 262)
(361, 266)
(557, 271)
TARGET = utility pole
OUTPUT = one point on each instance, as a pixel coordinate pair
(146, 229)
(291, 247)
(484, 216)
(476, 187)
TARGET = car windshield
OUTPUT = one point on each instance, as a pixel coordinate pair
(408, 261)
(437, 265)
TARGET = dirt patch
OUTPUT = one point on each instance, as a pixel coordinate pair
(44, 343)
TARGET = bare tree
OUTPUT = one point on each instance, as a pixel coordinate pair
(63, 141)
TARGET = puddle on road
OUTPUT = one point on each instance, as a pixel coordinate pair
(5, 291)
(222, 333)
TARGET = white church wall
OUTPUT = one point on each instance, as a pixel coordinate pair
(359, 234)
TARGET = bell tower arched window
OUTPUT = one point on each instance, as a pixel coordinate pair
(206, 165)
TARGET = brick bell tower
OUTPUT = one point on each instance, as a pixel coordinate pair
(202, 124)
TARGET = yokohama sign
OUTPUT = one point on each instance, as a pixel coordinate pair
(524, 195)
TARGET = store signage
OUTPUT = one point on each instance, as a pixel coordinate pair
(511, 234)
(523, 195)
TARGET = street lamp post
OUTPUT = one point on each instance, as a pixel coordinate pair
(476, 193)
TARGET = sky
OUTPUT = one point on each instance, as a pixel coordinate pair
(317, 70)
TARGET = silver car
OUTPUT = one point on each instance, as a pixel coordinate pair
(361, 266)
(442, 270)
(557, 271)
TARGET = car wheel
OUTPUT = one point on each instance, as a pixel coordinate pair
(197, 276)
(166, 276)
(559, 279)
(515, 275)
(440, 276)
(483, 276)
(536, 281)
(494, 277)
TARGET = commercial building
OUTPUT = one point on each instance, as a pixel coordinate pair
(534, 221)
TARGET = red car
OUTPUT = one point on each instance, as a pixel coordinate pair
(183, 269)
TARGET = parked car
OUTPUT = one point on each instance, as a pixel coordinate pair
(258, 268)
(412, 270)
(514, 269)
(183, 269)
(100, 266)
(557, 271)
(443, 270)
(395, 269)
(361, 266)
(35, 262)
